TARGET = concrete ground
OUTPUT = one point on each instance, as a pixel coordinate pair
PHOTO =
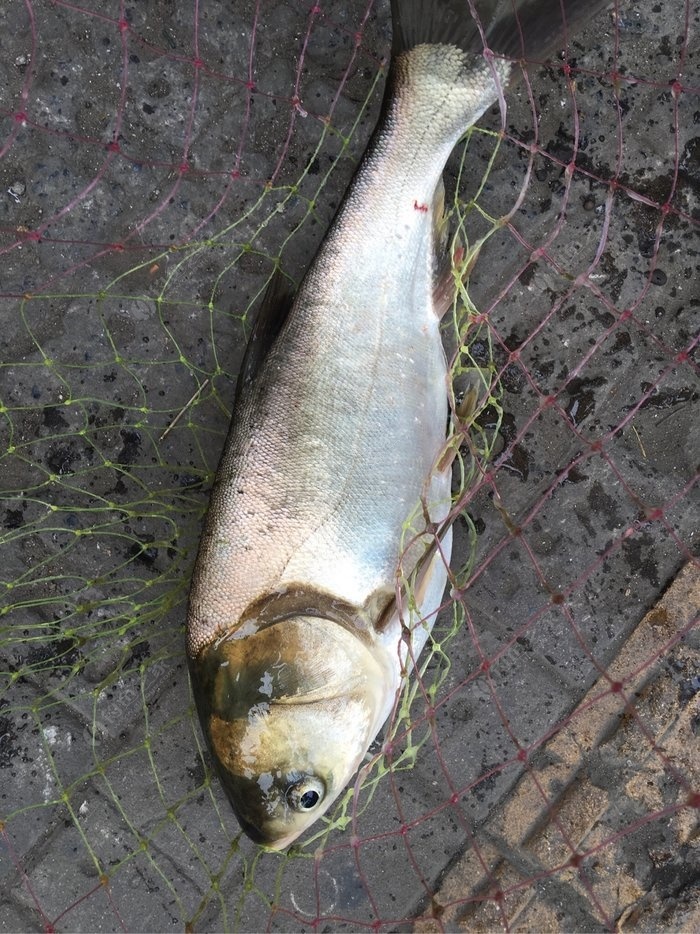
(157, 160)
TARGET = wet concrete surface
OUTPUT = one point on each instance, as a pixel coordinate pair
(151, 179)
(591, 777)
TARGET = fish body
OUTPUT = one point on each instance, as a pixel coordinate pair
(335, 460)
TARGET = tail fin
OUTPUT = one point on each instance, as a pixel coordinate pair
(521, 29)
(433, 22)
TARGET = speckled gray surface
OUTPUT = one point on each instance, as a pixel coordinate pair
(155, 166)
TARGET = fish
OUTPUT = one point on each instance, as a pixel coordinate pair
(334, 486)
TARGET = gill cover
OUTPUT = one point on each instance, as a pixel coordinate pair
(289, 712)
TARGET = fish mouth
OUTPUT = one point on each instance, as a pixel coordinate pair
(281, 843)
(268, 842)
(257, 836)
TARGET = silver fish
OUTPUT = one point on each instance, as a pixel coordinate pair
(336, 457)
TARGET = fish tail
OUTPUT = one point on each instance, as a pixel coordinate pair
(519, 29)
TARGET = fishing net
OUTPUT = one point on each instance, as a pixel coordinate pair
(159, 162)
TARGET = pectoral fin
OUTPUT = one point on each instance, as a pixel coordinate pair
(427, 589)
(423, 588)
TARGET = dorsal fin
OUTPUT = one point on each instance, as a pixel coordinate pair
(269, 321)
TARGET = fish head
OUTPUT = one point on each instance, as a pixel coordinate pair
(289, 712)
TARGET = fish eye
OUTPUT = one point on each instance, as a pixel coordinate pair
(305, 794)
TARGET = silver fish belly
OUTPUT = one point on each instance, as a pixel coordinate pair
(334, 445)
(335, 460)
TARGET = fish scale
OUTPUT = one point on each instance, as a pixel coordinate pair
(298, 639)
(324, 489)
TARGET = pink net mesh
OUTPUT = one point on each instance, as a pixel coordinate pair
(158, 161)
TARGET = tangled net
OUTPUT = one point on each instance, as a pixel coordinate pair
(159, 162)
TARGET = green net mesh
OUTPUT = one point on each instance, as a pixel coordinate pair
(160, 161)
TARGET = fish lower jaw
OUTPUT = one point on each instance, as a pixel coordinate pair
(282, 843)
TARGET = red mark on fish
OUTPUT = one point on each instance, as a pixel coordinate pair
(420, 207)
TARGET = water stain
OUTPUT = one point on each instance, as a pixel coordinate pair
(623, 341)
(572, 474)
(581, 403)
(615, 278)
(61, 458)
(14, 518)
(604, 504)
(689, 165)
(53, 418)
(143, 553)
(9, 747)
(139, 653)
(513, 378)
(639, 553)
(518, 459)
(666, 398)
(131, 447)
(58, 655)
